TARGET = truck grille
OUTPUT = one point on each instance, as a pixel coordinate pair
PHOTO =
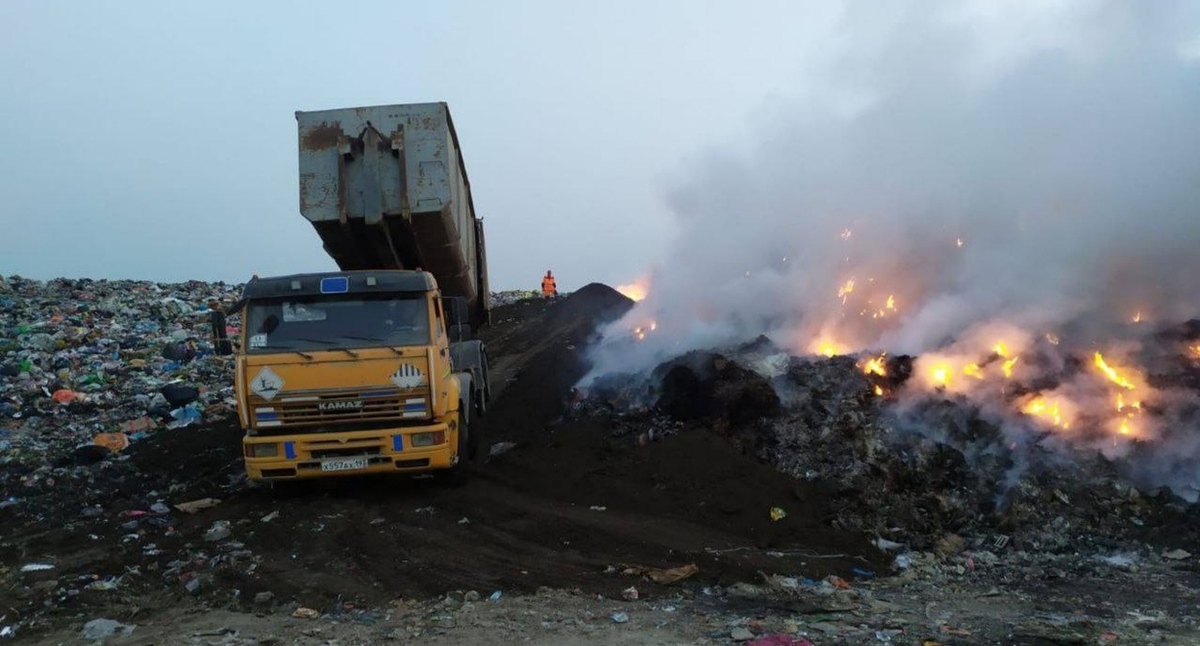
(342, 409)
(342, 453)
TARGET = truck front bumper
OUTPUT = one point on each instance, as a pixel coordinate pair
(319, 455)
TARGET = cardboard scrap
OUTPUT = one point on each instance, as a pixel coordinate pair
(673, 575)
(114, 442)
(196, 505)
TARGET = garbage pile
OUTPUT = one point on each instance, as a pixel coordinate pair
(510, 297)
(92, 372)
(936, 477)
(88, 367)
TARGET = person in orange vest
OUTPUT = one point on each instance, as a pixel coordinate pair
(549, 286)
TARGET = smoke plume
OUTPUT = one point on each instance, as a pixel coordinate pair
(958, 176)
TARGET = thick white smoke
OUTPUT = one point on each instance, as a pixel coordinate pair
(1065, 161)
(960, 173)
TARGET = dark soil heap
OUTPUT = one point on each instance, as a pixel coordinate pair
(706, 385)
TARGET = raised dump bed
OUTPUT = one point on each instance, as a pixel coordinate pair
(386, 188)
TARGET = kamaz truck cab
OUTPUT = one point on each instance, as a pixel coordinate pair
(356, 373)
(372, 368)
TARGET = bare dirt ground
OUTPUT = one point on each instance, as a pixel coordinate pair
(544, 545)
(1149, 606)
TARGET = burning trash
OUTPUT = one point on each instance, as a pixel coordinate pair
(637, 290)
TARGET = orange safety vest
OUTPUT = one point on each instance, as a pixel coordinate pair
(548, 286)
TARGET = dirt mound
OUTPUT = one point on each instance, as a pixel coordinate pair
(595, 302)
(537, 356)
(707, 385)
(692, 491)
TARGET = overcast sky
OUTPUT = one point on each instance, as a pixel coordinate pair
(156, 140)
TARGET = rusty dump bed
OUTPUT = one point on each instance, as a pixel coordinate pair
(386, 188)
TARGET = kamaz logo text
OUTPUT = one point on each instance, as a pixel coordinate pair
(329, 407)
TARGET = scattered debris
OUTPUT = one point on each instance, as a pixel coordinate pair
(673, 575)
(741, 634)
(114, 442)
(786, 640)
(1120, 560)
(103, 585)
(102, 629)
(197, 505)
(219, 531)
(888, 546)
(36, 567)
(500, 448)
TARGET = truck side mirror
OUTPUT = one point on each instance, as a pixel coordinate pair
(220, 339)
(457, 312)
(458, 318)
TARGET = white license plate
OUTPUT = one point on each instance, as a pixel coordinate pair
(348, 464)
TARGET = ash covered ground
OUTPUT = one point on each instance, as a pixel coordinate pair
(731, 495)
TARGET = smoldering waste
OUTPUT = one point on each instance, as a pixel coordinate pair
(914, 474)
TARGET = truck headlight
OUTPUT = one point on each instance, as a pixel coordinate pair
(428, 439)
(262, 450)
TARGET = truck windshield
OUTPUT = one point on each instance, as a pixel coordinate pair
(330, 322)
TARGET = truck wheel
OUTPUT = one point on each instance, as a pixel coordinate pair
(475, 440)
(485, 394)
(481, 403)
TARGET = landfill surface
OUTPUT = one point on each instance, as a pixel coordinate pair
(737, 495)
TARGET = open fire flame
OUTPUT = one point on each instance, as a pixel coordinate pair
(827, 348)
(1009, 373)
(640, 331)
(636, 291)
(875, 366)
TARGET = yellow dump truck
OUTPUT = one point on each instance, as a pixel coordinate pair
(372, 368)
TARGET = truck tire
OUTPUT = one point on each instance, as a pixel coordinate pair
(483, 394)
(476, 447)
(471, 357)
